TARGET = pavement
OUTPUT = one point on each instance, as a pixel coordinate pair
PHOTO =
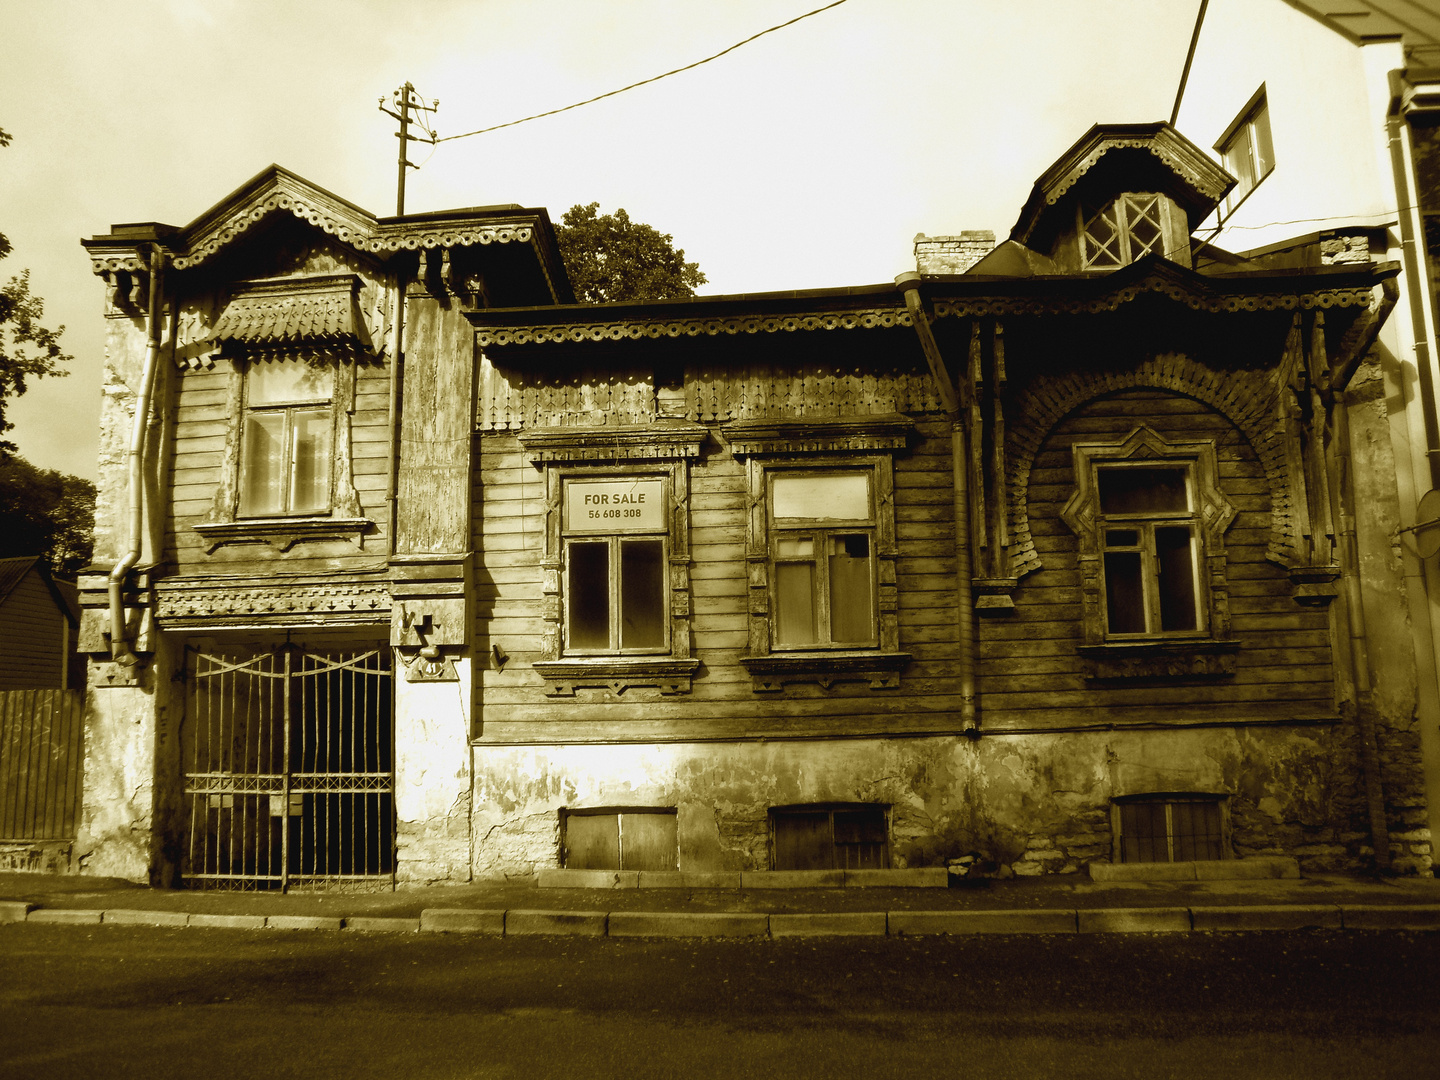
(1051, 904)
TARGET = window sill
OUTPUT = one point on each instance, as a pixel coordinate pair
(283, 533)
(564, 677)
(1179, 659)
(770, 673)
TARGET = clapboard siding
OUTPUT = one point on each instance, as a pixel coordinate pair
(1031, 674)
(202, 430)
(509, 505)
(33, 634)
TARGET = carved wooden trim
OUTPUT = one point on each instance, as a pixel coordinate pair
(1214, 513)
(1161, 661)
(618, 674)
(860, 434)
(301, 600)
(770, 673)
(648, 442)
(638, 328)
(283, 533)
(1246, 399)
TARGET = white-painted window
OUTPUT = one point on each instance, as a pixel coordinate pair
(1246, 149)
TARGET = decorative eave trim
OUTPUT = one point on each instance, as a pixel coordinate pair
(648, 442)
(827, 435)
(304, 600)
(1188, 295)
(671, 327)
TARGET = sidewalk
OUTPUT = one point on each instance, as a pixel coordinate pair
(1057, 904)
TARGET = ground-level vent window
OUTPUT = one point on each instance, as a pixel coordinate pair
(289, 759)
(1170, 829)
(830, 837)
(611, 839)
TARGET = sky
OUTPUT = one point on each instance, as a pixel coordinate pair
(809, 158)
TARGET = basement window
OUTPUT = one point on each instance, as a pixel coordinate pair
(1169, 828)
(843, 836)
(618, 839)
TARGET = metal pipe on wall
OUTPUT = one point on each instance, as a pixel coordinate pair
(120, 650)
(909, 285)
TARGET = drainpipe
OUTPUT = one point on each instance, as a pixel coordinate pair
(1415, 277)
(1359, 651)
(393, 466)
(120, 650)
(909, 284)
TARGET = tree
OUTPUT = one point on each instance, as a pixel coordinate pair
(48, 513)
(611, 258)
(27, 349)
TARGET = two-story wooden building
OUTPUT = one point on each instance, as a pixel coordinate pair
(1054, 561)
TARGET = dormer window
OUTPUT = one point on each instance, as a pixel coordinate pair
(1246, 149)
(1119, 232)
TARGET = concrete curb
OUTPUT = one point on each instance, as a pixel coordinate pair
(731, 924)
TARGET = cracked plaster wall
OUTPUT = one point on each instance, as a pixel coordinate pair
(432, 778)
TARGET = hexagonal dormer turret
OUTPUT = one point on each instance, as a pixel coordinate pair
(1124, 191)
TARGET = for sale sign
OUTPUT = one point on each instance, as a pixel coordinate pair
(620, 505)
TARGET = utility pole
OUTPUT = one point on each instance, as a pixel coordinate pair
(407, 101)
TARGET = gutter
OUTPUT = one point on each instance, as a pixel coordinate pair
(909, 285)
(120, 650)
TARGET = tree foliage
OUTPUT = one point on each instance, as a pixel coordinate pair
(48, 513)
(27, 349)
(611, 258)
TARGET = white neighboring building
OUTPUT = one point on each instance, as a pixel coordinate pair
(1331, 123)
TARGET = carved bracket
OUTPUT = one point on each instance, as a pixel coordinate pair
(1315, 586)
(994, 596)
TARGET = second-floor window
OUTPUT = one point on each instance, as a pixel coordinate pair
(1247, 151)
(285, 452)
(1119, 232)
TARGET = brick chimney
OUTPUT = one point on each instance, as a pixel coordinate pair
(952, 254)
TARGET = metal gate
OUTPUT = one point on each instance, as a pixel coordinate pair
(291, 770)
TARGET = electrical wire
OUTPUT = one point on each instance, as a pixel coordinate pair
(644, 82)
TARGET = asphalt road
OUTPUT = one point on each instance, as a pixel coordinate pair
(121, 1001)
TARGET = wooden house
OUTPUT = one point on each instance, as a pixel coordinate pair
(38, 617)
(1049, 563)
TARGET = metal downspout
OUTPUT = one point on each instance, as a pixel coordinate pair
(909, 284)
(1414, 281)
(393, 466)
(1359, 649)
(120, 650)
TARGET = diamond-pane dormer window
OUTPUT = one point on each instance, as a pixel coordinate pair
(1120, 232)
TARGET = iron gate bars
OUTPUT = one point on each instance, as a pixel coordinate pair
(291, 775)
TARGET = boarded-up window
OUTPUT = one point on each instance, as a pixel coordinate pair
(1170, 828)
(830, 837)
(608, 839)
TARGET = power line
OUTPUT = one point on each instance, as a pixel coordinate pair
(645, 82)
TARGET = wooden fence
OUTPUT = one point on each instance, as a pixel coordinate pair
(40, 762)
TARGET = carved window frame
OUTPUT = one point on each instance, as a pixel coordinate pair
(1164, 655)
(839, 445)
(345, 519)
(650, 452)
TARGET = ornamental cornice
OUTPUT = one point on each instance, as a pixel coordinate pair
(647, 442)
(713, 326)
(821, 435)
(212, 603)
(1230, 302)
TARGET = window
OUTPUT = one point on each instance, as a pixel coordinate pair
(1121, 232)
(1246, 150)
(285, 446)
(1168, 828)
(1148, 537)
(609, 839)
(830, 837)
(822, 542)
(615, 565)
(615, 556)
